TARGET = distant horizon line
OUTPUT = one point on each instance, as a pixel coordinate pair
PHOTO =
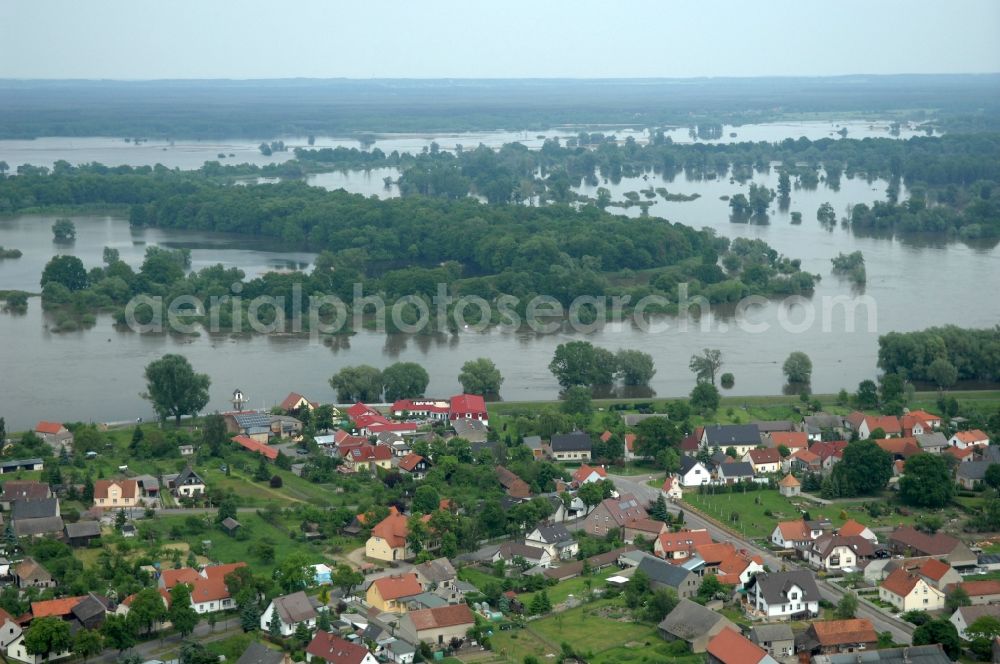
(582, 79)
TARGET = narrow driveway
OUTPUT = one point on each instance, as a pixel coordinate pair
(902, 632)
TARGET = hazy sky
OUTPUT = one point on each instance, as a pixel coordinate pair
(141, 39)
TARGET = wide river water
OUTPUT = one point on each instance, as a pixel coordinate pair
(96, 374)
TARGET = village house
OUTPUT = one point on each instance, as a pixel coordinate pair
(680, 545)
(414, 465)
(509, 552)
(515, 486)
(852, 528)
(427, 409)
(555, 539)
(694, 472)
(764, 460)
(828, 637)
(694, 624)
(966, 615)
(189, 484)
(575, 446)
(672, 489)
(55, 435)
(789, 486)
(830, 552)
(865, 425)
(389, 593)
(784, 595)
(662, 574)
(792, 440)
(910, 542)
(365, 458)
(34, 518)
(730, 647)
(935, 572)
(437, 626)
(613, 513)
(777, 639)
(115, 494)
(262, 448)
(255, 425)
(815, 425)
(647, 529)
(209, 593)
(732, 566)
(439, 577)
(741, 437)
(802, 461)
(295, 401)
(966, 439)
(29, 573)
(468, 407)
(23, 490)
(908, 591)
(539, 450)
(585, 474)
(388, 538)
(934, 442)
(329, 648)
(18, 465)
(734, 472)
(979, 592)
(971, 475)
(796, 534)
(82, 533)
(899, 448)
(290, 611)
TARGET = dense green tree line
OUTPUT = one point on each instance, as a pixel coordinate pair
(938, 353)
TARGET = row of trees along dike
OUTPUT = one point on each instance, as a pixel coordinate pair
(396, 248)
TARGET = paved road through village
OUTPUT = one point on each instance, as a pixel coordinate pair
(902, 632)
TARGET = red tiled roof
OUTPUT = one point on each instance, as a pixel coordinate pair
(370, 453)
(645, 525)
(684, 540)
(959, 454)
(410, 461)
(978, 588)
(585, 471)
(731, 647)
(393, 529)
(221, 571)
(48, 427)
(843, 632)
(54, 607)
(360, 409)
(468, 403)
(805, 456)
(904, 447)
(130, 488)
(900, 582)
(789, 481)
(934, 569)
(972, 436)
(442, 616)
(790, 439)
(171, 577)
(924, 416)
(828, 448)
(851, 528)
(630, 442)
(887, 423)
(394, 587)
(418, 405)
(606, 436)
(794, 531)
(336, 650)
(292, 400)
(260, 448)
(765, 455)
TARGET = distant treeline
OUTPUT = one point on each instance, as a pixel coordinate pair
(951, 179)
(267, 109)
(939, 353)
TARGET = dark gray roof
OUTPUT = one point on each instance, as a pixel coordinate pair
(689, 621)
(663, 573)
(632, 419)
(188, 477)
(992, 454)
(42, 526)
(775, 585)
(35, 509)
(737, 469)
(824, 421)
(253, 420)
(17, 463)
(723, 435)
(509, 550)
(438, 570)
(533, 442)
(230, 523)
(83, 529)
(553, 533)
(771, 633)
(930, 440)
(767, 426)
(687, 463)
(90, 606)
(971, 470)
(931, 654)
(578, 441)
(988, 558)
(257, 653)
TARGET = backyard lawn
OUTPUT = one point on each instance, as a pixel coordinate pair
(751, 507)
(601, 630)
(576, 586)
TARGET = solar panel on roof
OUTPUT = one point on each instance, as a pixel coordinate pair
(247, 420)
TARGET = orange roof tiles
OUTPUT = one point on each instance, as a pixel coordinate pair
(851, 528)
(260, 448)
(443, 616)
(900, 582)
(731, 647)
(790, 439)
(54, 607)
(394, 587)
(789, 481)
(585, 471)
(410, 461)
(842, 632)
(48, 427)
(393, 529)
